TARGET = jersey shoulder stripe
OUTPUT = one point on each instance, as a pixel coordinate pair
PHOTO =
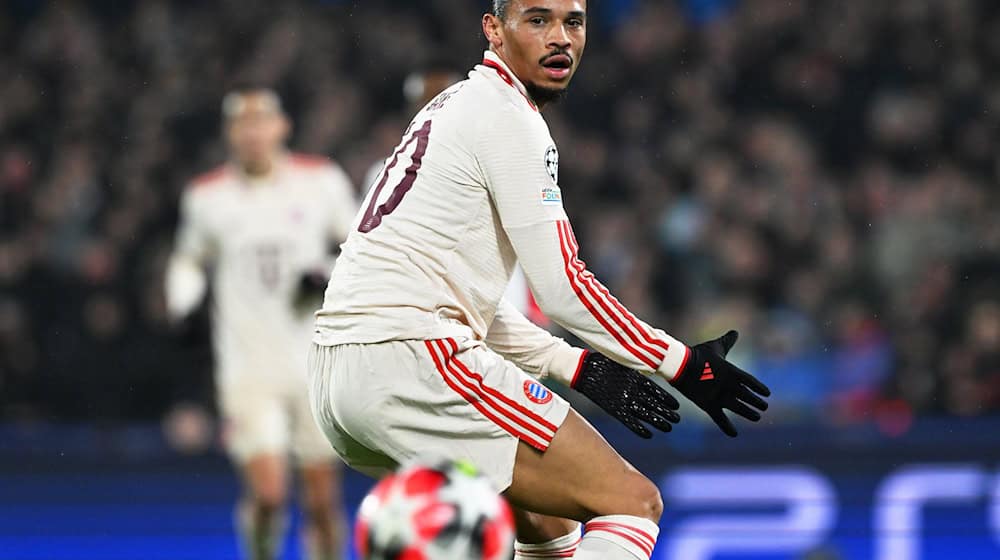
(309, 161)
(210, 178)
(506, 77)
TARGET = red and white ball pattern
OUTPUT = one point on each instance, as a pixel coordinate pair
(434, 513)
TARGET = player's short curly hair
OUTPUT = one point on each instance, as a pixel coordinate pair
(500, 8)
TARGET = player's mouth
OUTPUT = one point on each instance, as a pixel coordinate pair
(558, 66)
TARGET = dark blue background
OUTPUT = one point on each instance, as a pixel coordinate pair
(84, 493)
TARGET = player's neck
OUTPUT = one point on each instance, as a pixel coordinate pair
(523, 86)
(257, 169)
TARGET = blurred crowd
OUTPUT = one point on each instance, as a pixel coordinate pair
(820, 175)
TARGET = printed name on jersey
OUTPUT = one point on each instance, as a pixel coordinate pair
(552, 163)
(536, 392)
(551, 196)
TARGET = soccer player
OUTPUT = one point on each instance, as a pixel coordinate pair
(416, 351)
(262, 225)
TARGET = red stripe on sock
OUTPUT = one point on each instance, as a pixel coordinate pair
(640, 538)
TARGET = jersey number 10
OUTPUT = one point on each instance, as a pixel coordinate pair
(374, 214)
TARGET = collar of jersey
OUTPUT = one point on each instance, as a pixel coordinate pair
(281, 163)
(491, 60)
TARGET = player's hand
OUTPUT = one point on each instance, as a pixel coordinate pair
(309, 293)
(711, 382)
(192, 329)
(631, 397)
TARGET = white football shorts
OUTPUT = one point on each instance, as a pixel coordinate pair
(386, 404)
(268, 417)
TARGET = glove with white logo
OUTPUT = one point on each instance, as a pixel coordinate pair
(713, 384)
(631, 397)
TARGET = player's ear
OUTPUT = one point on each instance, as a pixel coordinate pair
(491, 29)
(228, 131)
(286, 127)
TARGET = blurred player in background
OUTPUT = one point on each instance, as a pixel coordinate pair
(417, 350)
(262, 225)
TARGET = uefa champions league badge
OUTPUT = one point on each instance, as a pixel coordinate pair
(552, 163)
(536, 392)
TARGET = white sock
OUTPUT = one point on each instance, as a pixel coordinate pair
(617, 537)
(562, 547)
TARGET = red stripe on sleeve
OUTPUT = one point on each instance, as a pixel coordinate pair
(589, 277)
(569, 258)
(579, 366)
(598, 290)
(680, 370)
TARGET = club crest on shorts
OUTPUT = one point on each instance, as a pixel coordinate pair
(552, 163)
(536, 392)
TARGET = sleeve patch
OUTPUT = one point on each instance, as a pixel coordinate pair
(551, 196)
(552, 164)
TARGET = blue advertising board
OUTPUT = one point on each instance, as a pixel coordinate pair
(778, 493)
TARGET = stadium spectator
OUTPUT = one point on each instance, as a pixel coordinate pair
(819, 160)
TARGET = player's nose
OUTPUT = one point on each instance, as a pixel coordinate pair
(559, 38)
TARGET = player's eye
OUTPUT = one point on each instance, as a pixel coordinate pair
(537, 20)
(575, 23)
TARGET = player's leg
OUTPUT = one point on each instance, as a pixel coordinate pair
(323, 521)
(543, 537)
(262, 516)
(256, 437)
(581, 477)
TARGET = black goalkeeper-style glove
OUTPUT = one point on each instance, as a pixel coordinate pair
(631, 397)
(714, 384)
(193, 329)
(309, 293)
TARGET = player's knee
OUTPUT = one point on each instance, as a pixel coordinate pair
(269, 500)
(650, 501)
(636, 496)
(318, 511)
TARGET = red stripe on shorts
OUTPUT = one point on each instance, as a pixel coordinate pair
(530, 414)
(480, 406)
(546, 431)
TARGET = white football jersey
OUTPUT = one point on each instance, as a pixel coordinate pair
(471, 190)
(258, 237)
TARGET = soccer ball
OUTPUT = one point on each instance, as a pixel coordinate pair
(445, 512)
